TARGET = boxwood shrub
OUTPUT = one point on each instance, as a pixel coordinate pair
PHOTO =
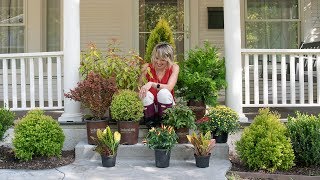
(304, 131)
(265, 145)
(6, 120)
(37, 135)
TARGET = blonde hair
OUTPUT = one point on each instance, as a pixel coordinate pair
(163, 50)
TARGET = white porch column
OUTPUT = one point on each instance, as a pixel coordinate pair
(232, 47)
(71, 48)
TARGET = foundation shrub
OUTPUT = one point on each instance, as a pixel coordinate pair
(264, 145)
(37, 135)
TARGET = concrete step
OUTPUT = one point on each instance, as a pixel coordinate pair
(141, 152)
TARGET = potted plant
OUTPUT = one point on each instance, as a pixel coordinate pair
(201, 77)
(202, 145)
(223, 120)
(107, 146)
(127, 109)
(182, 119)
(94, 93)
(161, 140)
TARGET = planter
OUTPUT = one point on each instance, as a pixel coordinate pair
(222, 138)
(198, 108)
(162, 158)
(182, 135)
(109, 161)
(202, 161)
(129, 131)
(92, 127)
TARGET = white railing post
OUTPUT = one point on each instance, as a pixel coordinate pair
(71, 48)
(232, 44)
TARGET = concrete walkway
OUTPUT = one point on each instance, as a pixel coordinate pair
(124, 170)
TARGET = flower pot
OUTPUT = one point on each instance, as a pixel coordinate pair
(109, 161)
(202, 161)
(198, 108)
(182, 135)
(92, 127)
(162, 158)
(222, 138)
(129, 131)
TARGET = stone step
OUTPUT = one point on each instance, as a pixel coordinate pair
(141, 152)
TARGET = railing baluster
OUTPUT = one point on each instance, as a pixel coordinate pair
(32, 88)
(301, 78)
(292, 80)
(14, 84)
(23, 84)
(5, 83)
(256, 79)
(59, 81)
(274, 80)
(310, 79)
(318, 79)
(50, 82)
(283, 79)
(265, 79)
(41, 95)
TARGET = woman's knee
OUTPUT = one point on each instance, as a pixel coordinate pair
(148, 100)
(164, 96)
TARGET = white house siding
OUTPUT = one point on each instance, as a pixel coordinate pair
(310, 15)
(101, 21)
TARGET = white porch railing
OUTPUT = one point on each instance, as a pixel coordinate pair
(281, 77)
(31, 80)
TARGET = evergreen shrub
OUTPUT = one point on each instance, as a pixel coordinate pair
(6, 120)
(37, 135)
(304, 132)
(265, 145)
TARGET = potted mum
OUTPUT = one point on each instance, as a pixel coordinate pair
(223, 120)
(162, 140)
(107, 146)
(182, 119)
(127, 109)
(94, 93)
(202, 145)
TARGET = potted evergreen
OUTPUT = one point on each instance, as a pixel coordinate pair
(127, 109)
(162, 140)
(202, 145)
(201, 77)
(107, 146)
(95, 93)
(182, 119)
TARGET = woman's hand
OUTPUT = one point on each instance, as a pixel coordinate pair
(144, 89)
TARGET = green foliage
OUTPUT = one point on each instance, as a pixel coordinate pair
(264, 144)
(179, 116)
(163, 137)
(6, 120)
(203, 124)
(126, 106)
(304, 132)
(202, 144)
(125, 67)
(161, 33)
(202, 75)
(37, 135)
(107, 143)
(223, 119)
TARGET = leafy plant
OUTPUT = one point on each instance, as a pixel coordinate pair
(202, 75)
(6, 120)
(37, 135)
(161, 33)
(203, 124)
(179, 116)
(163, 137)
(304, 132)
(94, 93)
(107, 143)
(265, 145)
(223, 119)
(202, 144)
(126, 106)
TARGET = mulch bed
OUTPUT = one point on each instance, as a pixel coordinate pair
(296, 170)
(8, 161)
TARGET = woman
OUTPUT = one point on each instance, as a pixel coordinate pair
(162, 74)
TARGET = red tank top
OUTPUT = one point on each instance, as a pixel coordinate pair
(155, 79)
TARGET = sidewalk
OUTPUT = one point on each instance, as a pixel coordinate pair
(124, 170)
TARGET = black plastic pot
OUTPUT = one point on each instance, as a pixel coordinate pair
(108, 161)
(202, 161)
(162, 158)
(222, 138)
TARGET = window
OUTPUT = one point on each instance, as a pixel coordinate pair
(149, 13)
(272, 24)
(12, 26)
(215, 18)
